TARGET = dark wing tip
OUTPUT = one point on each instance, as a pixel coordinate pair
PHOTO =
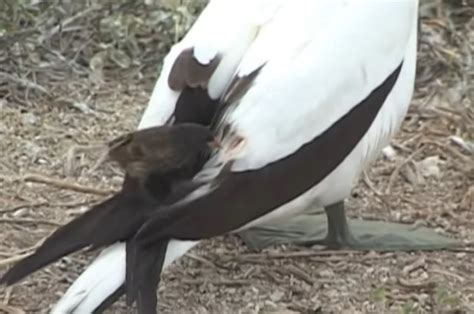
(143, 270)
(18, 271)
(87, 229)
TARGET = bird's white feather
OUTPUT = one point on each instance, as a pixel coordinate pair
(225, 29)
(336, 186)
(321, 59)
(96, 283)
(301, 92)
(104, 276)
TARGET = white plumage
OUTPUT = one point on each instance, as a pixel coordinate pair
(321, 58)
(105, 275)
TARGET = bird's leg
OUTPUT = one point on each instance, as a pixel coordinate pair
(339, 234)
(375, 235)
(336, 231)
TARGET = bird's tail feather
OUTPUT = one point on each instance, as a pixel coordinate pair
(110, 221)
(71, 237)
(93, 291)
(111, 299)
(143, 272)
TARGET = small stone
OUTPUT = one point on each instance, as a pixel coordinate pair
(389, 152)
(277, 296)
(429, 167)
(21, 212)
(468, 146)
(42, 161)
(29, 118)
(326, 273)
(83, 209)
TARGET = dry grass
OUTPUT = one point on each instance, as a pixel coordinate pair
(74, 74)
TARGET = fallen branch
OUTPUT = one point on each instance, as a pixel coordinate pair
(13, 259)
(19, 255)
(30, 221)
(37, 178)
(58, 28)
(300, 274)
(299, 254)
(20, 206)
(24, 82)
(10, 309)
(43, 203)
(201, 260)
(220, 282)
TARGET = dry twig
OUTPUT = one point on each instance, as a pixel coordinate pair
(397, 169)
(29, 221)
(38, 178)
(8, 309)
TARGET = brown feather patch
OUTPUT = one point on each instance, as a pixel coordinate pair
(188, 71)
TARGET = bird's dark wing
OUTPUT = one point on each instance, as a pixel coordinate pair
(142, 284)
(118, 147)
(238, 198)
(111, 299)
(113, 220)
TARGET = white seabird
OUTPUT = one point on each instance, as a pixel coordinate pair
(307, 93)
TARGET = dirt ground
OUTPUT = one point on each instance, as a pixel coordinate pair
(75, 75)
